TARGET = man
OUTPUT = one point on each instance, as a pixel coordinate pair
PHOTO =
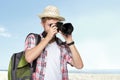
(52, 57)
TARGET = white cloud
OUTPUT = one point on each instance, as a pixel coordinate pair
(2, 29)
(100, 53)
(4, 32)
(93, 53)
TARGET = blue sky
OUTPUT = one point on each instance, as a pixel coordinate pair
(96, 33)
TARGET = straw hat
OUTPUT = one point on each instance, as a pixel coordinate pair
(51, 11)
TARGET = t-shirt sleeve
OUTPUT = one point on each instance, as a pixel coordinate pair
(29, 42)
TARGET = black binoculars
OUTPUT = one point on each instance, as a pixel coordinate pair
(66, 28)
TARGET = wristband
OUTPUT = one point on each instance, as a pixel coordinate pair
(71, 43)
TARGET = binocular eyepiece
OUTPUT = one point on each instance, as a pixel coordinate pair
(66, 28)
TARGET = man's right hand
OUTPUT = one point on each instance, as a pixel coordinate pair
(52, 31)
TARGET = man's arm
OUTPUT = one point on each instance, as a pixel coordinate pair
(76, 58)
(33, 53)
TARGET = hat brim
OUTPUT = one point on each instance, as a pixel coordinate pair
(52, 16)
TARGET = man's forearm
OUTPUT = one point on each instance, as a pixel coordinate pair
(33, 53)
(77, 61)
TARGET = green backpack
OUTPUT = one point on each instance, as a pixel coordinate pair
(19, 68)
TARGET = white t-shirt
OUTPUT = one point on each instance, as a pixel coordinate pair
(52, 70)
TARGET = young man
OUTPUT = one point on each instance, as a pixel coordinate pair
(52, 57)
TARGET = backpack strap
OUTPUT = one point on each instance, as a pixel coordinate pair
(37, 37)
(15, 58)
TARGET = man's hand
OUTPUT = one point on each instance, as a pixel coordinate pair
(68, 38)
(52, 31)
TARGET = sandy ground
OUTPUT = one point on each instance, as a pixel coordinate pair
(77, 76)
(74, 76)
